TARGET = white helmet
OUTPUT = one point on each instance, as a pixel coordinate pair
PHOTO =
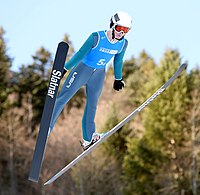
(121, 19)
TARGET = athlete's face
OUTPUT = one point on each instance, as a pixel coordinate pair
(120, 31)
(119, 35)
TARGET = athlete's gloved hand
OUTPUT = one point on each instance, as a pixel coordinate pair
(118, 84)
(64, 72)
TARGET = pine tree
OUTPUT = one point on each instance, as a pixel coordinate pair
(129, 67)
(140, 76)
(5, 74)
(116, 144)
(194, 120)
(165, 136)
(31, 87)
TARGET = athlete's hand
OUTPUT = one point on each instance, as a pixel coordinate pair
(64, 72)
(118, 84)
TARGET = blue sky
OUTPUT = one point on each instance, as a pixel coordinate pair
(157, 25)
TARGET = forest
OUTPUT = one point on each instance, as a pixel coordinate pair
(157, 152)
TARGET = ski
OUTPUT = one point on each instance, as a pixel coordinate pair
(54, 82)
(118, 126)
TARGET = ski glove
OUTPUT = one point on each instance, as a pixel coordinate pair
(118, 84)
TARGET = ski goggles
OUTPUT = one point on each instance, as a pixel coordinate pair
(121, 29)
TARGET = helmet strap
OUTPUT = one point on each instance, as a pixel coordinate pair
(113, 34)
(120, 38)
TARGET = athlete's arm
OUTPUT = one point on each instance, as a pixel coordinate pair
(83, 51)
(118, 62)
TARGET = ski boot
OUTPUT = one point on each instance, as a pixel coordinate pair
(86, 144)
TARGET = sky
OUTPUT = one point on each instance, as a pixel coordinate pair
(157, 25)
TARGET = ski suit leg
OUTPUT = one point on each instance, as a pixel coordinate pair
(75, 80)
(93, 90)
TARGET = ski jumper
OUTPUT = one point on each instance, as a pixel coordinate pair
(89, 69)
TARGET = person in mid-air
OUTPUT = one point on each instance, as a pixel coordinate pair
(89, 69)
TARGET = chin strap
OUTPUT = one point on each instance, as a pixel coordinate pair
(120, 38)
(113, 34)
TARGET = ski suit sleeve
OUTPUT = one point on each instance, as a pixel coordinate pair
(118, 62)
(83, 51)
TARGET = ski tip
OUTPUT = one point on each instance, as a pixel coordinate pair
(63, 44)
(185, 64)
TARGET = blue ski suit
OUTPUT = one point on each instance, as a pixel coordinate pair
(89, 69)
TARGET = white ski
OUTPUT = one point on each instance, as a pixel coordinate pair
(118, 126)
